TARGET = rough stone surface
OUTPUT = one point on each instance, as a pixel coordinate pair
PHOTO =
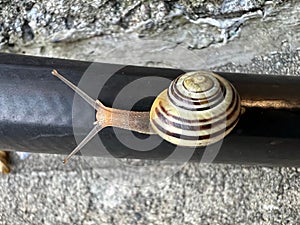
(104, 30)
(238, 36)
(75, 20)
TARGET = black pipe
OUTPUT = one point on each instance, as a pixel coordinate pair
(36, 111)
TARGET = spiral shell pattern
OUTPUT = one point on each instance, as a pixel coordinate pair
(199, 108)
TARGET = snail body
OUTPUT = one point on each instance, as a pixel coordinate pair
(198, 109)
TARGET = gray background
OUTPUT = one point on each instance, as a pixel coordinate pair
(255, 36)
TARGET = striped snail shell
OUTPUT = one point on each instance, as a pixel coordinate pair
(199, 108)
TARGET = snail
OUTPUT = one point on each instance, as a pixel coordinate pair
(198, 109)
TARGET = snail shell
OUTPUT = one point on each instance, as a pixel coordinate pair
(199, 108)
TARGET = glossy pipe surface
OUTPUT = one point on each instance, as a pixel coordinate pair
(36, 111)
